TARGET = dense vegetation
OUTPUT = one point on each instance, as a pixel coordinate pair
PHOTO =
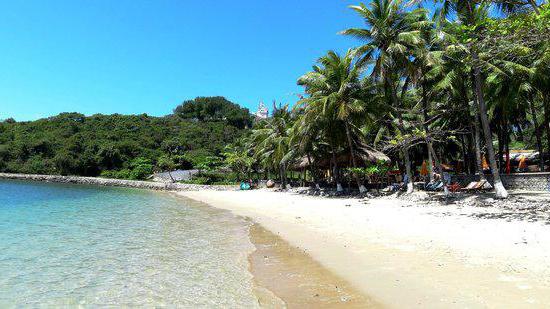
(464, 82)
(122, 146)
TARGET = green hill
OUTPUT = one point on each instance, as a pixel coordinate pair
(124, 146)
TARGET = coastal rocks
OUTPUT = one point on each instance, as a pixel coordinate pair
(160, 186)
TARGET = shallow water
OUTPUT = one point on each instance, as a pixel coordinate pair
(74, 244)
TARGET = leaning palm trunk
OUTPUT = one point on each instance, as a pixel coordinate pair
(408, 171)
(361, 187)
(426, 129)
(477, 137)
(439, 166)
(405, 150)
(500, 191)
(477, 142)
(430, 164)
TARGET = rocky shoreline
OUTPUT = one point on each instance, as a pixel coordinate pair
(159, 186)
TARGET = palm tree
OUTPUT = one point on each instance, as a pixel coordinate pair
(470, 13)
(391, 35)
(334, 87)
(270, 142)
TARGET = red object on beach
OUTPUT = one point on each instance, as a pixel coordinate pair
(454, 187)
(424, 169)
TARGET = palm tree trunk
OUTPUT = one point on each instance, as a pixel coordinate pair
(339, 187)
(439, 167)
(283, 176)
(425, 107)
(546, 103)
(171, 178)
(499, 187)
(361, 187)
(405, 150)
(500, 154)
(430, 162)
(464, 155)
(408, 171)
(479, 159)
(477, 138)
(538, 134)
(507, 147)
(312, 171)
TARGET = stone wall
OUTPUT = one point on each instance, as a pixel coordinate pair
(164, 186)
(518, 181)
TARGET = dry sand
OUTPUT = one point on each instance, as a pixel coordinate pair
(407, 255)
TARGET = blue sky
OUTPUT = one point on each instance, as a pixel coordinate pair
(141, 56)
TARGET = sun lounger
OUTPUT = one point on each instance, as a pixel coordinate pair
(434, 186)
(454, 187)
(477, 186)
(470, 186)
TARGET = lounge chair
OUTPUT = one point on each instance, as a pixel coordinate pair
(434, 186)
(471, 186)
(454, 187)
(478, 186)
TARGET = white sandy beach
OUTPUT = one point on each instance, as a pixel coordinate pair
(405, 255)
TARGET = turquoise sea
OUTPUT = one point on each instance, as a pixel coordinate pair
(69, 245)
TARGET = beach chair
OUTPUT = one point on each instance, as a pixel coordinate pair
(471, 186)
(454, 187)
(478, 186)
(434, 186)
(485, 186)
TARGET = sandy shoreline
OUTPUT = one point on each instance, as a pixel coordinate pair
(407, 255)
(285, 276)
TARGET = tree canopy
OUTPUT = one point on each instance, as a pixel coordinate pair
(125, 146)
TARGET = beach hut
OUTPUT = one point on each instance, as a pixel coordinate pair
(364, 155)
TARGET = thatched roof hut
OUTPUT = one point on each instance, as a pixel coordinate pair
(364, 154)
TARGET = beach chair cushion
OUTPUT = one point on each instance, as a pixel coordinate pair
(471, 185)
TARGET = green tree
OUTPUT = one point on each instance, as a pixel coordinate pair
(391, 36)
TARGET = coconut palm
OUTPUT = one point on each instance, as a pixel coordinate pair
(270, 142)
(391, 35)
(471, 13)
(334, 88)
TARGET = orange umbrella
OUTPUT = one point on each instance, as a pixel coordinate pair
(485, 164)
(522, 163)
(424, 169)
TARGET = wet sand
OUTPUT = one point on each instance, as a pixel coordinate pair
(295, 279)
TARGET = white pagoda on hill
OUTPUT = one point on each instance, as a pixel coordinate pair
(262, 112)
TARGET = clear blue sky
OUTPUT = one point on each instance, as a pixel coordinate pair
(137, 56)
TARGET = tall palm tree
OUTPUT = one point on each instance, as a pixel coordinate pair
(335, 87)
(471, 13)
(270, 142)
(391, 34)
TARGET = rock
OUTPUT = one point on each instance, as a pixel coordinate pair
(161, 186)
(270, 184)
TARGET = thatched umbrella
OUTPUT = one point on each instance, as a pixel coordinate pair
(364, 153)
